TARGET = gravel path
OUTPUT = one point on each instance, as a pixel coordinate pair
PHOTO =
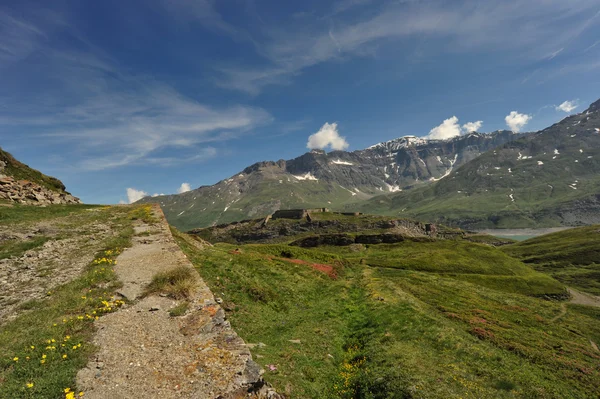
(580, 298)
(146, 353)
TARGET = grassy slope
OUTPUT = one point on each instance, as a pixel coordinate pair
(47, 344)
(409, 329)
(535, 203)
(570, 256)
(20, 171)
(260, 200)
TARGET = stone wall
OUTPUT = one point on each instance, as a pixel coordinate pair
(289, 214)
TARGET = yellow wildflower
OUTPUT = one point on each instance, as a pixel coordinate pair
(64, 356)
(29, 385)
(16, 359)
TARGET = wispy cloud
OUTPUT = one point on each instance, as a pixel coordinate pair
(473, 25)
(567, 106)
(18, 38)
(345, 5)
(204, 11)
(111, 117)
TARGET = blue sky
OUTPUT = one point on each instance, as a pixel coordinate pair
(150, 94)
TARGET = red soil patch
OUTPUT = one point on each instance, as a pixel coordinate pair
(482, 333)
(327, 269)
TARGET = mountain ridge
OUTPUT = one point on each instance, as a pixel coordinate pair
(317, 179)
(545, 179)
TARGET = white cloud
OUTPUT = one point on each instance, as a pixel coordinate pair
(184, 188)
(567, 106)
(134, 195)
(516, 121)
(327, 136)
(472, 126)
(157, 194)
(451, 128)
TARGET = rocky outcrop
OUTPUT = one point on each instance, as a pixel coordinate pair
(331, 229)
(30, 193)
(344, 240)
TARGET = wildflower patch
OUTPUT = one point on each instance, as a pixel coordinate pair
(42, 350)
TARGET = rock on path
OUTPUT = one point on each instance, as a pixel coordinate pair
(146, 353)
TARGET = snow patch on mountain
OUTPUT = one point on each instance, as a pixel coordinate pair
(340, 162)
(351, 192)
(521, 156)
(306, 176)
(394, 188)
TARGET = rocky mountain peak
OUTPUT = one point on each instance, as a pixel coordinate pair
(595, 107)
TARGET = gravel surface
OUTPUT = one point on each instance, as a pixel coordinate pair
(61, 259)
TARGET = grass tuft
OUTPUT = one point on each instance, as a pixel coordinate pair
(179, 310)
(177, 283)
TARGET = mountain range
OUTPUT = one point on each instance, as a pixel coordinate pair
(548, 178)
(478, 180)
(336, 179)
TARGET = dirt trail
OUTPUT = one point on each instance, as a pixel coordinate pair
(563, 311)
(146, 353)
(580, 298)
